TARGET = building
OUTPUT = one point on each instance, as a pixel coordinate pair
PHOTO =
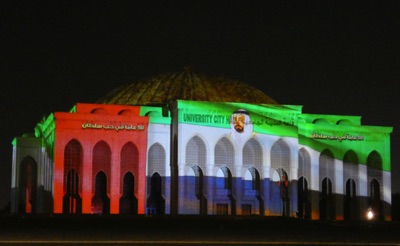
(185, 143)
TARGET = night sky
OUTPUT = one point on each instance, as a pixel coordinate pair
(331, 57)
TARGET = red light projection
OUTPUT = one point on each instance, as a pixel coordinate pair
(100, 160)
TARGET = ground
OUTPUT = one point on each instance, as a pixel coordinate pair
(193, 229)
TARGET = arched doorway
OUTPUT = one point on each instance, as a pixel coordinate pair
(199, 190)
(326, 204)
(27, 186)
(128, 202)
(375, 178)
(155, 202)
(72, 202)
(252, 186)
(73, 158)
(224, 183)
(375, 202)
(350, 201)
(224, 156)
(100, 201)
(304, 203)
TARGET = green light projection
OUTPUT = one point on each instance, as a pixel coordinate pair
(334, 132)
(266, 119)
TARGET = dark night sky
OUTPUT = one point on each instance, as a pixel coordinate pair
(332, 57)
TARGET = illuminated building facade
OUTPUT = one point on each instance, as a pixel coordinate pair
(184, 143)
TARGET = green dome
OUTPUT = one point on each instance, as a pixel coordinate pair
(185, 85)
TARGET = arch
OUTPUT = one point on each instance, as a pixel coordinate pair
(72, 201)
(350, 157)
(73, 160)
(128, 203)
(129, 160)
(280, 156)
(195, 197)
(252, 154)
(153, 114)
(374, 160)
(375, 179)
(344, 122)
(253, 176)
(155, 201)
(199, 189)
(99, 111)
(126, 112)
(156, 160)
(321, 121)
(351, 209)
(101, 162)
(375, 202)
(304, 163)
(73, 156)
(374, 167)
(224, 179)
(327, 167)
(350, 167)
(350, 182)
(224, 153)
(256, 186)
(303, 198)
(196, 152)
(224, 156)
(28, 186)
(100, 200)
(326, 203)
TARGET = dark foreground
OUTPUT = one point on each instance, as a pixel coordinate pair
(189, 230)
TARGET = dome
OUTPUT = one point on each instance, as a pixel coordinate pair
(185, 85)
